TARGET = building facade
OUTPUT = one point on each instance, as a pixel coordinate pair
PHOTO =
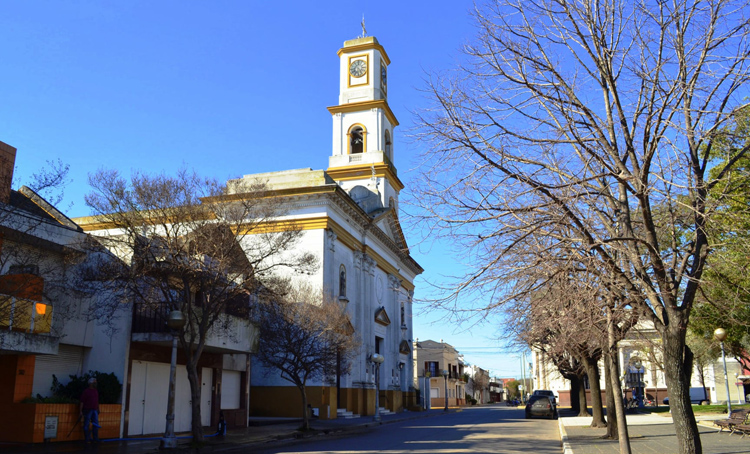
(439, 374)
(46, 328)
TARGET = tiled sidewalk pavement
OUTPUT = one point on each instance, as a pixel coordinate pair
(648, 434)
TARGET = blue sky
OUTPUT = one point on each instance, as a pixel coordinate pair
(225, 87)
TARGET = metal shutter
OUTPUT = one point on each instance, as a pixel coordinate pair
(68, 361)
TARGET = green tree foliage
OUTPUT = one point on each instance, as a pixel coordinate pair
(725, 299)
(512, 389)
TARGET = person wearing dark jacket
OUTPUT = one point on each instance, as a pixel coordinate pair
(90, 411)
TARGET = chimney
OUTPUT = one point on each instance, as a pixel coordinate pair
(7, 162)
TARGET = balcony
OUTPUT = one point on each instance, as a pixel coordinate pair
(370, 157)
(236, 335)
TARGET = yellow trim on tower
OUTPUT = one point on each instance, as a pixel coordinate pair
(366, 105)
(352, 59)
(365, 46)
(360, 171)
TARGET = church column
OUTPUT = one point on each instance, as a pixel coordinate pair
(394, 331)
(368, 276)
(358, 293)
(329, 266)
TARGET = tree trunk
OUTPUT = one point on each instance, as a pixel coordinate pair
(612, 432)
(305, 410)
(611, 361)
(597, 411)
(677, 363)
(575, 401)
(583, 405)
(195, 395)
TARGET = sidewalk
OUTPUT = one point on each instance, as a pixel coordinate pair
(261, 431)
(649, 433)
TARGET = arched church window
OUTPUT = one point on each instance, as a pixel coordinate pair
(403, 314)
(357, 140)
(342, 281)
(388, 145)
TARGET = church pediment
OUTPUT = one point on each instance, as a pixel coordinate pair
(381, 317)
(404, 347)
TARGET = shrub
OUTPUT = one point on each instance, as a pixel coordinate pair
(39, 399)
(108, 385)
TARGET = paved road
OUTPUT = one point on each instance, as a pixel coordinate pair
(473, 430)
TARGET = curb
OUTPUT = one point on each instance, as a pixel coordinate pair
(567, 449)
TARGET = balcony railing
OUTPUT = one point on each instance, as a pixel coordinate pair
(24, 315)
(152, 317)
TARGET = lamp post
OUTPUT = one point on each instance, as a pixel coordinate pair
(737, 384)
(378, 360)
(175, 322)
(445, 376)
(720, 334)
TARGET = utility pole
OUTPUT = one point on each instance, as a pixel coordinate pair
(523, 376)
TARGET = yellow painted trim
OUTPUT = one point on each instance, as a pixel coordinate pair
(344, 236)
(365, 46)
(349, 135)
(352, 59)
(317, 223)
(91, 223)
(366, 105)
(360, 171)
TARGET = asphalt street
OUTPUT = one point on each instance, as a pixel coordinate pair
(487, 429)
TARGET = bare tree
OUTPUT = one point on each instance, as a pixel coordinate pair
(184, 243)
(601, 116)
(304, 337)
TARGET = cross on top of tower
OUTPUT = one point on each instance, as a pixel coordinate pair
(364, 30)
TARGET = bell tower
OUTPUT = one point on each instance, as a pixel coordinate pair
(363, 123)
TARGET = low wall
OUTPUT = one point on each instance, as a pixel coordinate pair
(24, 423)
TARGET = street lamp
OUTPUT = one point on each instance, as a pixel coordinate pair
(378, 360)
(737, 384)
(720, 334)
(445, 376)
(175, 322)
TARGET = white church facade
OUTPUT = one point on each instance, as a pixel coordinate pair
(349, 217)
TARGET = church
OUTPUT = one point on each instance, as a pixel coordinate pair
(349, 216)
(348, 219)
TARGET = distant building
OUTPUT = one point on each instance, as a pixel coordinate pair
(439, 368)
(479, 384)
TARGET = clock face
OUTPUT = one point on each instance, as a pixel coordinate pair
(358, 68)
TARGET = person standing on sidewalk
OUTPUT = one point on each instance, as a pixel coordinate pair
(90, 411)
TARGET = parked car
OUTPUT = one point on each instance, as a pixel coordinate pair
(541, 406)
(546, 392)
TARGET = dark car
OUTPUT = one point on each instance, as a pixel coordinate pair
(541, 406)
(545, 392)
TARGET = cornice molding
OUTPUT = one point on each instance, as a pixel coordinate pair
(366, 105)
